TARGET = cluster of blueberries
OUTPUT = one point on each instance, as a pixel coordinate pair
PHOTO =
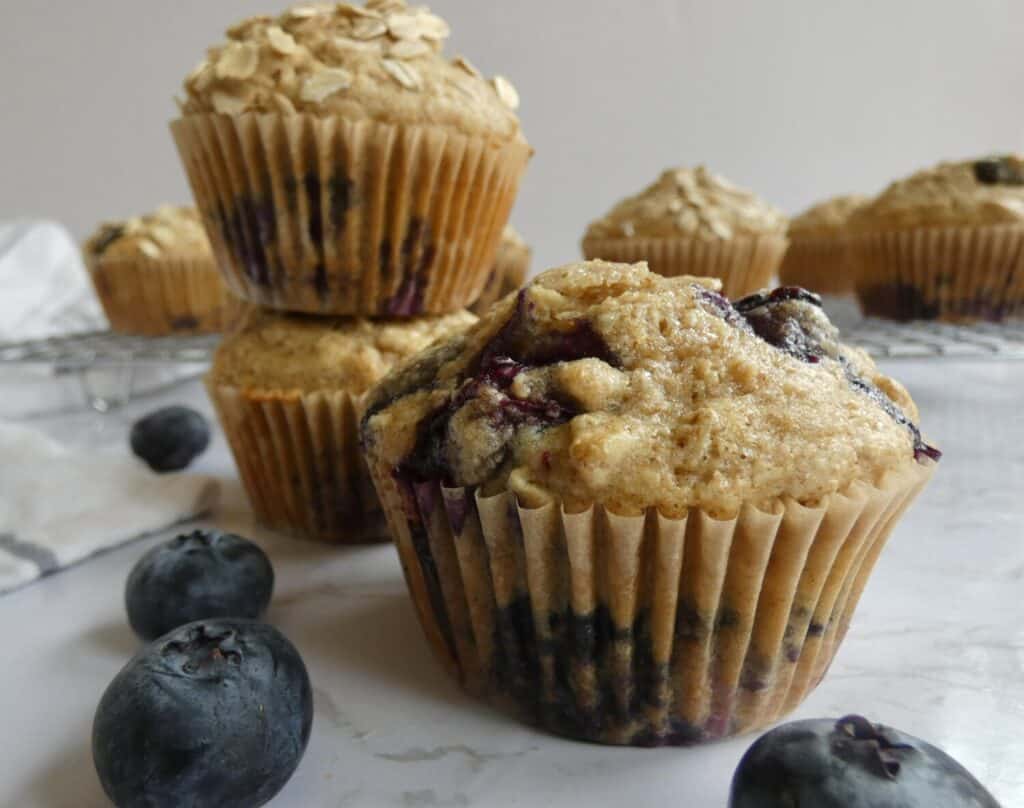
(217, 708)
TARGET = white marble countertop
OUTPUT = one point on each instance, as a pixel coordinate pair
(937, 647)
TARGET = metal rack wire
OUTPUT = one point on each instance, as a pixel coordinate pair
(880, 338)
(107, 349)
(928, 340)
(105, 363)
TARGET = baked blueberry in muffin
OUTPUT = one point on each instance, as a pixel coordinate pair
(587, 488)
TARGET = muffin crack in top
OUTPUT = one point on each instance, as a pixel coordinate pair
(382, 62)
(608, 383)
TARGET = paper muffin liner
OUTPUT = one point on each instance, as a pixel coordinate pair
(508, 274)
(640, 630)
(329, 216)
(162, 296)
(744, 264)
(820, 264)
(955, 274)
(299, 460)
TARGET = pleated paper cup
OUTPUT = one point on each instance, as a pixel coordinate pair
(336, 217)
(299, 461)
(640, 630)
(954, 274)
(510, 269)
(162, 296)
(744, 264)
(820, 264)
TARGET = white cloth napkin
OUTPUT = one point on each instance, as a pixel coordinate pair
(46, 289)
(59, 506)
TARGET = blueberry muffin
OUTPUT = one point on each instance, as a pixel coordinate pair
(344, 165)
(946, 243)
(155, 275)
(289, 390)
(817, 257)
(511, 266)
(635, 511)
(693, 222)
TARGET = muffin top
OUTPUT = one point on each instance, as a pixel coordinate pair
(608, 383)
(169, 232)
(985, 191)
(276, 352)
(379, 62)
(827, 218)
(689, 202)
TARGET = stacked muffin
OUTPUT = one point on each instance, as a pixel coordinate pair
(694, 222)
(346, 173)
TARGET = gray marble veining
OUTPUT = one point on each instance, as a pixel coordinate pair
(937, 649)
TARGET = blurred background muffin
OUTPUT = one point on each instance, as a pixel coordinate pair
(817, 258)
(344, 165)
(288, 390)
(511, 265)
(155, 275)
(946, 243)
(694, 222)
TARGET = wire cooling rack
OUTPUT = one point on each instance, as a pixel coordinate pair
(111, 369)
(880, 338)
(107, 349)
(928, 340)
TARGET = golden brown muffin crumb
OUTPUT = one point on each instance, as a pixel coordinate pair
(689, 202)
(169, 231)
(283, 352)
(608, 383)
(828, 218)
(971, 192)
(381, 62)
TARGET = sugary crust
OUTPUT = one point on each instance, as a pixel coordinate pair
(633, 390)
(692, 203)
(381, 62)
(272, 352)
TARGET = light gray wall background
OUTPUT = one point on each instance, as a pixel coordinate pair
(796, 99)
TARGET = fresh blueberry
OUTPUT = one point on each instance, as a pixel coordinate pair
(851, 763)
(216, 713)
(199, 576)
(171, 438)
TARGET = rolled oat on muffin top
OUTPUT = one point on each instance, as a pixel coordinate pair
(607, 383)
(279, 352)
(382, 62)
(170, 231)
(970, 192)
(828, 218)
(690, 202)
